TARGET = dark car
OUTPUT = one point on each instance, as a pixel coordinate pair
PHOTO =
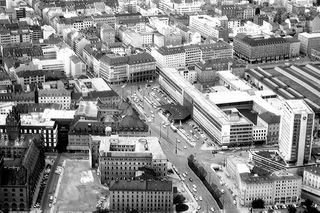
(190, 179)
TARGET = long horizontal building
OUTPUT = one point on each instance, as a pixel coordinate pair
(180, 56)
(260, 49)
(227, 127)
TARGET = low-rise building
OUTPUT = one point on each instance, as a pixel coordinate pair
(270, 161)
(54, 92)
(141, 195)
(121, 157)
(311, 180)
(309, 41)
(277, 188)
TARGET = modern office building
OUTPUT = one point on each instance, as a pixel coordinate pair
(309, 41)
(277, 188)
(296, 132)
(134, 68)
(141, 196)
(208, 26)
(260, 49)
(311, 180)
(226, 127)
(122, 157)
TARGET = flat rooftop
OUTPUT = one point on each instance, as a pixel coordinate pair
(234, 81)
(58, 114)
(299, 106)
(310, 35)
(98, 84)
(143, 145)
(35, 119)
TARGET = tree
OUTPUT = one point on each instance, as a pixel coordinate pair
(258, 204)
(291, 209)
(179, 199)
(182, 207)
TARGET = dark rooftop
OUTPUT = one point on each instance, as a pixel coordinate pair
(177, 112)
(141, 185)
(262, 41)
(270, 118)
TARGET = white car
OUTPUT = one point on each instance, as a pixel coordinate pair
(212, 209)
(194, 186)
(200, 198)
(185, 147)
(194, 189)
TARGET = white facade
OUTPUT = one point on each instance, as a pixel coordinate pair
(278, 188)
(260, 133)
(206, 25)
(174, 60)
(181, 8)
(296, 131)
(311, 180)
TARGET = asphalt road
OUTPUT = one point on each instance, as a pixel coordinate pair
(175, 152)
(51, 185)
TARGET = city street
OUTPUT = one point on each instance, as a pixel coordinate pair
(174, 146)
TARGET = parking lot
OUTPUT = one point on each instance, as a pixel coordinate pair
(80, 188)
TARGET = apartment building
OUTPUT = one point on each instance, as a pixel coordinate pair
(272, 123)
(309, 41)
(54, 92)
(31, 77)
(122, 157)
(141, 195)
(260, 49)
(181, 56)
(180, 7)
(277, 188)
(208, 26)
(134, 68)
(136, 39)
(311, 180)
(296, 132)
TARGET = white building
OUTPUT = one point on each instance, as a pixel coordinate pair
(121, 157)
(296, 131)
(181, 7)
(189, 75)
(311, 180)
(260, 133)
(207, 25)
(278, 188)
(47, 31)
(54, 92)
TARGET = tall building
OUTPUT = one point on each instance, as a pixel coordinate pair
(296, 132)
(122, 157)
(309, 41)
(141, 195)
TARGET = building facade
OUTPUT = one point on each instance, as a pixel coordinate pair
(121, 157)
(311, 180)
(296, 132)
(260, 49)
(141, 195)
(277, 188)
(309, 41)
